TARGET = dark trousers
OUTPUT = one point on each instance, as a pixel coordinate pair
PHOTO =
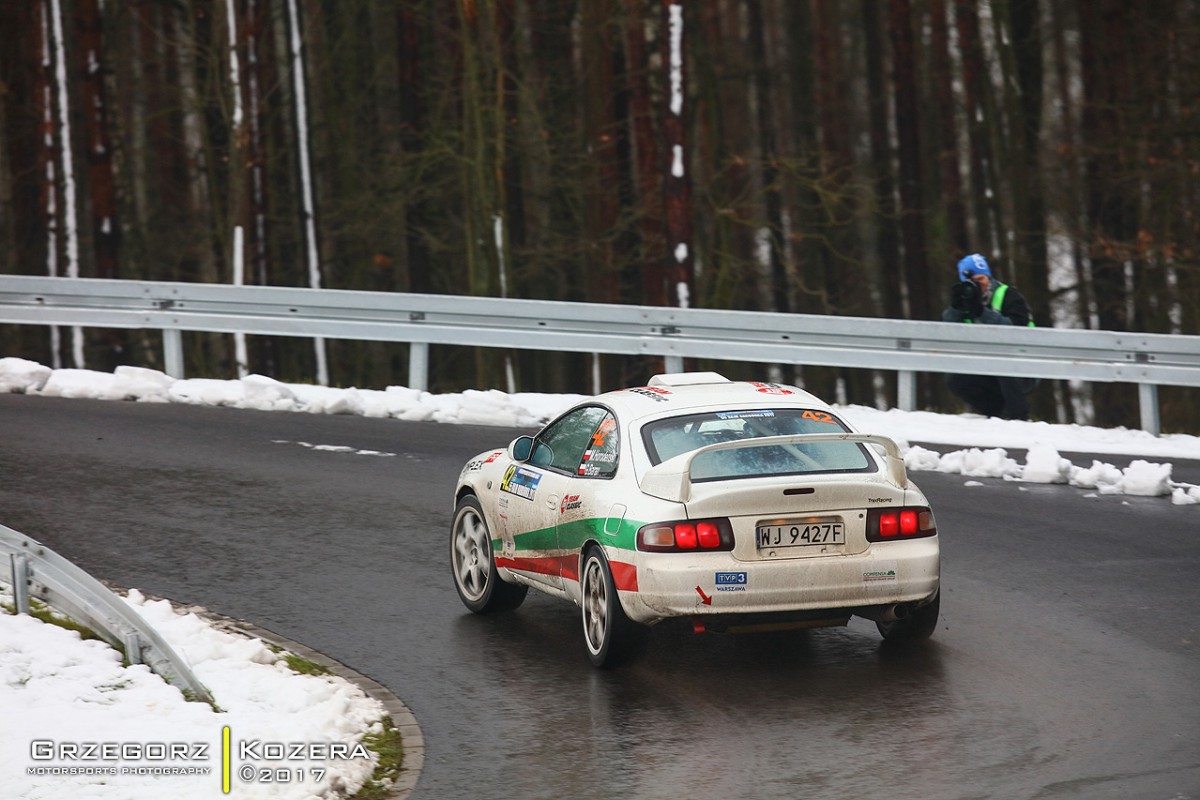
(992, 396)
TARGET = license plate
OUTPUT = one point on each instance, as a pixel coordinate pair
(799, 533)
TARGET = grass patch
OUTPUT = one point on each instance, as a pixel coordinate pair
(42, 612)
(387, 744)
(304, 666)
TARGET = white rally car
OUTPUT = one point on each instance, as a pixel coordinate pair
(737, 505)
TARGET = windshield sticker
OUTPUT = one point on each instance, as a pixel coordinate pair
(819, 416)
(762, 412)
(520, 481)
(600, 456)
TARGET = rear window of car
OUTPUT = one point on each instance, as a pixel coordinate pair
(672, 436)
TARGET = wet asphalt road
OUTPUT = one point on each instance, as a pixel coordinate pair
(1066, 663)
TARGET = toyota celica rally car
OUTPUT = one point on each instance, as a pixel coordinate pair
(736, 505)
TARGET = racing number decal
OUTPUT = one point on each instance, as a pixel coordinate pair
(600, 459)
(818, 416)
(601, 434)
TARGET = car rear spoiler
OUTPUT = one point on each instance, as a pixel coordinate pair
(672, 479)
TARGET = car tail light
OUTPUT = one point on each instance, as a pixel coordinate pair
(885, 525)
(686, 536)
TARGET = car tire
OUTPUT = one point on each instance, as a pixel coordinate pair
(476, 578)
(609, 635)
(919, 624)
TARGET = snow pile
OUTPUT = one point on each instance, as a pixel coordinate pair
(1043, 464)
(988, 458)
(59, 688)
(472, 407)
(985, 432)
(19, 375)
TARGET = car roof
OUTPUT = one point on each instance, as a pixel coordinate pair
(688, 392)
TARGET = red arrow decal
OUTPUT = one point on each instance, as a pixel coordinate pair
(703, 597)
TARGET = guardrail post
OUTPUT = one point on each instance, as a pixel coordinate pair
(906, 390)
(20, 582)
(133, 648)
(74, 593)
(173, 352)
(418, 366)
(673, 363)
(1148, 406)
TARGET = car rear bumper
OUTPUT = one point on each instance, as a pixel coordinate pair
(676, 585)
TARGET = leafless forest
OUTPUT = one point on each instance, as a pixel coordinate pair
(805, 156)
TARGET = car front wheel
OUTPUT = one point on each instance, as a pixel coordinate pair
(607, 632)
(475, 576)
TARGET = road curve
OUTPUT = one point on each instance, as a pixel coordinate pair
(1066, 664)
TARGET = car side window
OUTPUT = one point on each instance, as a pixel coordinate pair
(600, 457)
(584, 442)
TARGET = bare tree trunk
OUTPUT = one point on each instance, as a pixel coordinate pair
(722, 132)
(600, 144)
(50, 199)
(887, 244)
(676, 178)
(761, 69)
(1022, 62)
(977, 105)
(948, 169)
(912, 222)
(253, 32)
(649, 181)
(416, 269)
(106, 230)
(807, 206)
(837, 158)
(1112, 209)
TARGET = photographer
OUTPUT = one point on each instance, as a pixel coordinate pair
(979, 298)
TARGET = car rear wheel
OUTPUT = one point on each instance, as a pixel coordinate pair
(609, 635)
(919, 624)
(475, 576)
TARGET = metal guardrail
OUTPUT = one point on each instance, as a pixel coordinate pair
(38, 571)
(903, 346)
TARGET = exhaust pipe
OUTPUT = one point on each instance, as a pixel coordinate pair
(885, 613)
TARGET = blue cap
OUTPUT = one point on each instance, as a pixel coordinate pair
(973, 264)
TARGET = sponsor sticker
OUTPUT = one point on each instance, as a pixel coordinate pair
(477, 464)
(521, 481)
(653, 392)
(570, 502)
(881, 574)
(770, 388)
(762, 412)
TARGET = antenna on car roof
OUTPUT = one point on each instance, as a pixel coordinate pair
(687, 379)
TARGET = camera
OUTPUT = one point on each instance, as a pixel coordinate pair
(968, 297)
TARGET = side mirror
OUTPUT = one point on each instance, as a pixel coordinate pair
(520, 448)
